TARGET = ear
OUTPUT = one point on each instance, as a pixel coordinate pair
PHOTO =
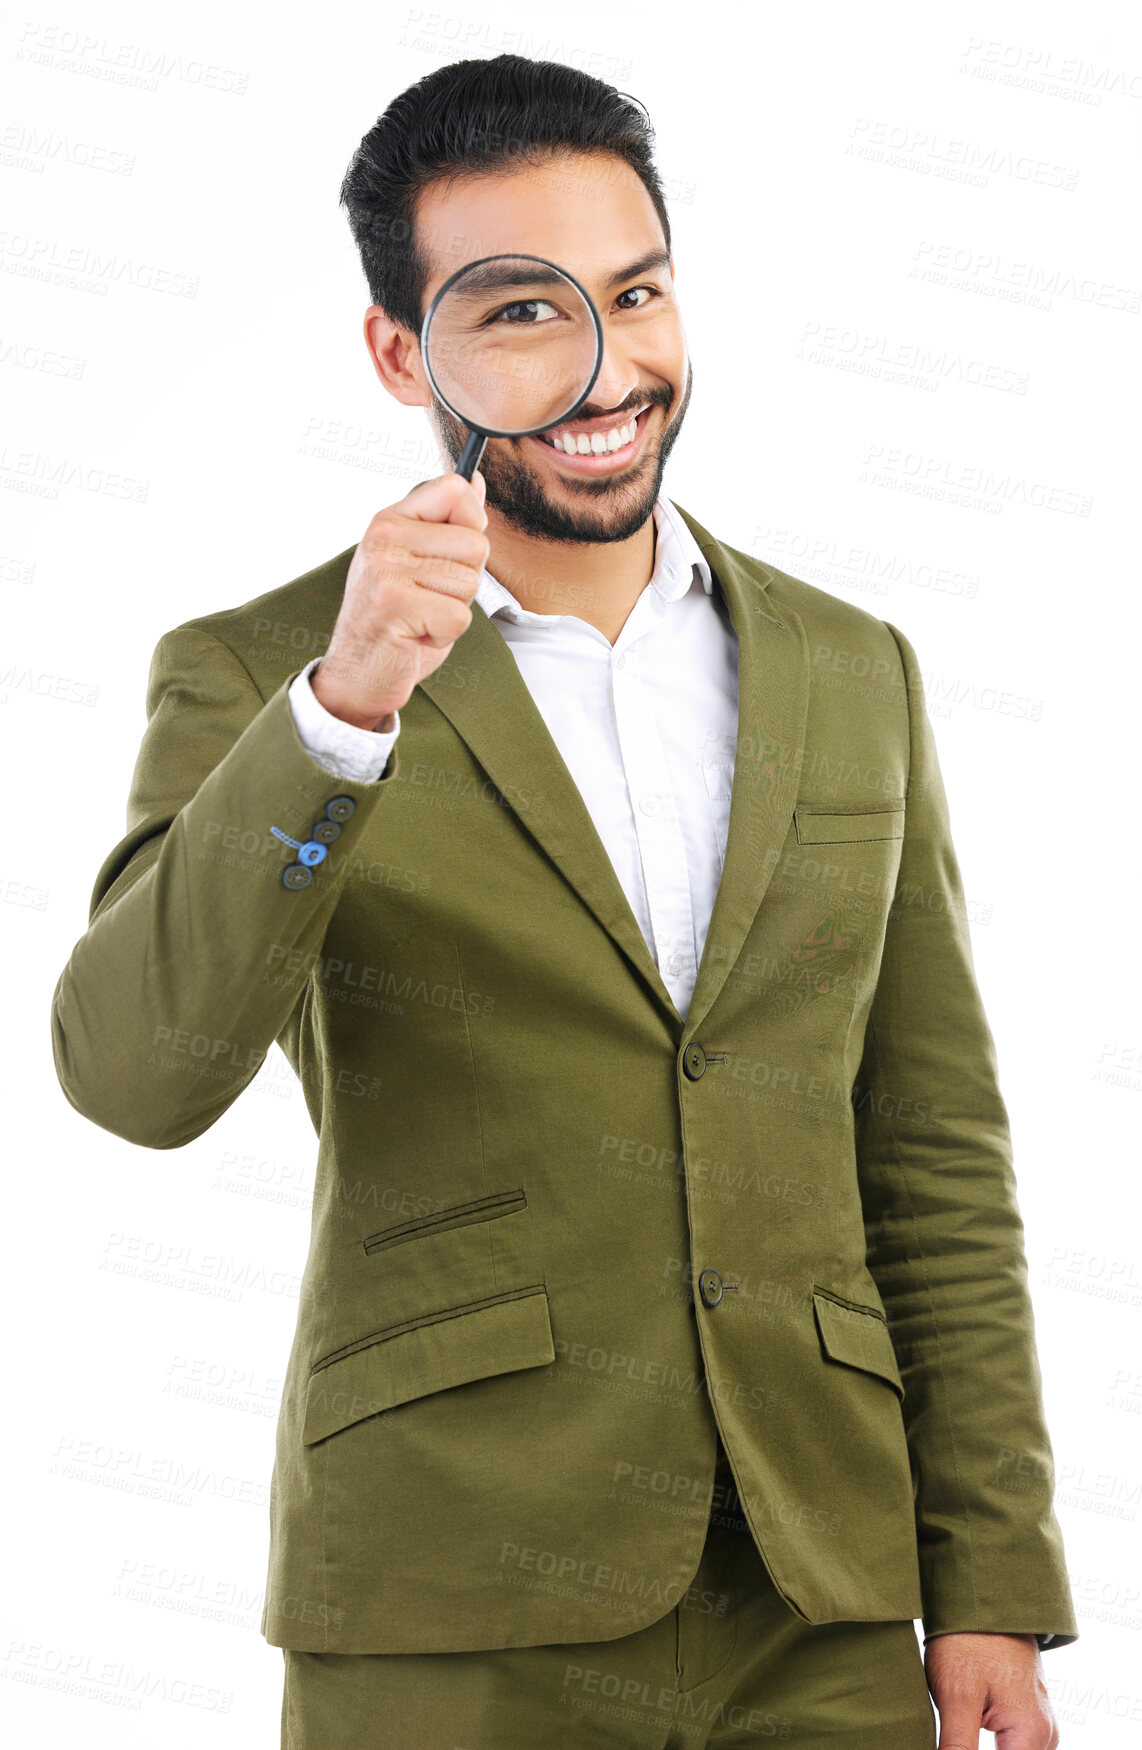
(395, 353)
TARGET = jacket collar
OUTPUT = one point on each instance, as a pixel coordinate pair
(505, 731)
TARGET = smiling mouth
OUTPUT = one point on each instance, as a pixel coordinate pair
(594, 438)
(597, 447)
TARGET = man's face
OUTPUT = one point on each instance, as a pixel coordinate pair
(591, 215)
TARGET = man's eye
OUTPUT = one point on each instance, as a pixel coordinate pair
(526, 310)
(648, 290)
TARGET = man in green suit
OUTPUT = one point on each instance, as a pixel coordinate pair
(664, 1347)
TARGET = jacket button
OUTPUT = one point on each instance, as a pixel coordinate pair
(710, 1287)
(297, 875)
(693, 1061)
(340, 807)
(325, 831)
(311, 852)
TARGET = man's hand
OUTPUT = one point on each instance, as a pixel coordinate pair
(992, 1682)
(407, 599)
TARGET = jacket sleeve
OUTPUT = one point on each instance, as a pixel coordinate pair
(196, 951)
(945, 1246)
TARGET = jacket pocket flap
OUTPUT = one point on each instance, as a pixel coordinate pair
(860, 1339)
(448, 1349)
(821, 826)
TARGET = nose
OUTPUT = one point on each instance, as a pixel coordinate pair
(616, 382)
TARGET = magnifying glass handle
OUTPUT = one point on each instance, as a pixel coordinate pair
(470, 455)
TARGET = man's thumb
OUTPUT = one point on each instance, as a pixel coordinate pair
(480, 484)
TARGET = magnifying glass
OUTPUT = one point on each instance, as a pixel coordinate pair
(512, 345)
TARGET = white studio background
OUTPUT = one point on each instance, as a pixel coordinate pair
(908, 255)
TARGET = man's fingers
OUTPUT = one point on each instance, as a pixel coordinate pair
(407, 597)
(959, 1730)
(449, 499)
(439, 555)
(434, 623)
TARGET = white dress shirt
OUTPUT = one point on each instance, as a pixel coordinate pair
(647, 729)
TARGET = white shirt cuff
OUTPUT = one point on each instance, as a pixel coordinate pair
(339, 748)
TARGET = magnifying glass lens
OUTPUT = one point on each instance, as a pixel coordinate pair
(511, 345)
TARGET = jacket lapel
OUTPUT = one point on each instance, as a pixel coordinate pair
(773, 703)
(505, 731)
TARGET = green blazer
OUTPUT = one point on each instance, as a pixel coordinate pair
(561, 1236)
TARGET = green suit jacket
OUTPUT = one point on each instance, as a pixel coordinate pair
(561, 1236)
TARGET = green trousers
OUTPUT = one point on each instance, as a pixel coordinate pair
(730, 1666)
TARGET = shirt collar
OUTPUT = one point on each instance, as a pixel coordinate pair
(677, 558)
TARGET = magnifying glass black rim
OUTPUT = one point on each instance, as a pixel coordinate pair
(512, 255)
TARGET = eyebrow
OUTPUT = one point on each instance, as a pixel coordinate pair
(655, 258)
(495, 276)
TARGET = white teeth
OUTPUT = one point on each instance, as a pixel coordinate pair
(596, 444)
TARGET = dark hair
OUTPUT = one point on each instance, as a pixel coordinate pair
(473, 116)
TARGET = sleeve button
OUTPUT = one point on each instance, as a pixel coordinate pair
(297, 875)
(340, 807)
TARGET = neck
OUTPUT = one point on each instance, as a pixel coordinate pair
(598, 582)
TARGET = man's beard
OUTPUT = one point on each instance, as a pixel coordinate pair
(607, 509)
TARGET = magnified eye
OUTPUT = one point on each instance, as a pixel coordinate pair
(525, 311)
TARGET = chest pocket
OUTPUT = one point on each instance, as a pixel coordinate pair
(831, 823)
